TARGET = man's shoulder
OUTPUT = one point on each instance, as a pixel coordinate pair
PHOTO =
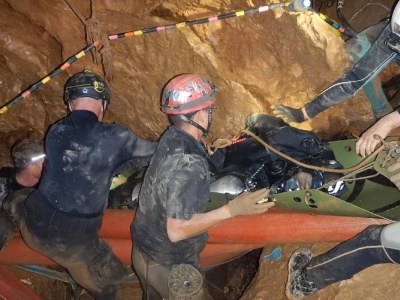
(7, 182)
(179, 142)
(114, 128)
(7, 172)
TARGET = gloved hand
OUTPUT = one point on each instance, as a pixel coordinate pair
(395, 178)
(288, 114)
(246, 203)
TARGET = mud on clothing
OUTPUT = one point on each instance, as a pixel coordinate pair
(8, 184)
(369, 66)
(352, 256)
(176, 185)
(62, 217)
(81, 157)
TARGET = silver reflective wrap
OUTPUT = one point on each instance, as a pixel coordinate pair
(228, 184)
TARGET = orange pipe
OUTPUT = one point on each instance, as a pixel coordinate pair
(226, 241)
(275, 226)
(283, 227)
(18, 253)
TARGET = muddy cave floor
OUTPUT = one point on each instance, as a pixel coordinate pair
(249, 277)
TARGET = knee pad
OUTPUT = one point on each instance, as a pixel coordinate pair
(390, 236)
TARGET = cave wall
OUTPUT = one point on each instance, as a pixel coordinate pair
(256, 60)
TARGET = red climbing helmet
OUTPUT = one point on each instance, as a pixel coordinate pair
(186, 93)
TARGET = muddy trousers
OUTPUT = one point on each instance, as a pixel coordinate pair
(368, 248)
(7, 228)
(71, 242)
(153, 277)
(364, 71)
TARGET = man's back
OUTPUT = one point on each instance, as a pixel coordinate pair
(82, 155)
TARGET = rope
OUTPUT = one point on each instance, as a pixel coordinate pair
(220, 143)
(101, 42)
(47, 78)
(250, 11)
(346, 177)
(93, 33)
(324, 169)
(394, 148)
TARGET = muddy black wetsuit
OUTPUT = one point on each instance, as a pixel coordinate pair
(8, 184)
(368, 248)
(176, 185)
(368, 66)
(61, 219)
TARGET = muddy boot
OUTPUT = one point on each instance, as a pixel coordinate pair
(298, 285)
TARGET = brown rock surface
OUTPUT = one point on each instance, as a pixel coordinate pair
(378, 282)
(255, 60)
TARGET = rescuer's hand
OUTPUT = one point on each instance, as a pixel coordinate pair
(304, 179)
(395, 168)
(288, 114)
(367, 143)
(250, 203)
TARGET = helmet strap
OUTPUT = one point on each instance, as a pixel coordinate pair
(209, 111)
(193, 123)
(104, 105)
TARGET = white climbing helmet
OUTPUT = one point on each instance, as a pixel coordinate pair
(395, 20)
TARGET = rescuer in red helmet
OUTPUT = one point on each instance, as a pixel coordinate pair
(170, 227)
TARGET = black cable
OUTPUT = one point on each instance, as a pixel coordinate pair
(350, 30)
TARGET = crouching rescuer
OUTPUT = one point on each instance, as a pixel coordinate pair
(171, 223)
(62, 218)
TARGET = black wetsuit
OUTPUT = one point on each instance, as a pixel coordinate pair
(61, 219)
(375, 59)
(8, 184)
(176, 185)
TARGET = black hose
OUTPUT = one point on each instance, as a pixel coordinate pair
(350, 30)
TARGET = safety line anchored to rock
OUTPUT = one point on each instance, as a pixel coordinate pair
(296, 5)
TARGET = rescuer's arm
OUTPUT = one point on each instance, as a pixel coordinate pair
(244, 204)
(367, 143)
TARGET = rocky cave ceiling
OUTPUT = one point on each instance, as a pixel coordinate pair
(277, 56)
